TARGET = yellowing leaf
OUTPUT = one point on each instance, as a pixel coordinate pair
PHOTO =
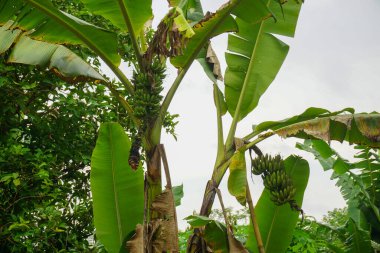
(355, 128)
(237, 180)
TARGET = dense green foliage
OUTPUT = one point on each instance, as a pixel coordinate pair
(48, 130)
(312, 236)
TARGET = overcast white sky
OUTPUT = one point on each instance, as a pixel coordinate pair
(334, 62)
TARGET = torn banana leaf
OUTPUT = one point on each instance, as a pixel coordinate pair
(255, 56)
(361, 129)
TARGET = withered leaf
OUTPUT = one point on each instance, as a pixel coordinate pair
(136, 244)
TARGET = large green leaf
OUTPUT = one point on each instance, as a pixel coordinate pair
(277, 223)
(192, 9)
(206, 27)
(44, 22)
(251, 11)
(354, 128)
(117, 190)
(255, 57)
(119, 12)
(177, 194)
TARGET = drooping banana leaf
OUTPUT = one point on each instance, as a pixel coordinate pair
(308, 114)
(57, 58)
(51, 25)
(276, 223)
(256, 55)
(117, 190)
(354, 128)
(35, 37)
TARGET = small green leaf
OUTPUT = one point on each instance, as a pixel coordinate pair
(16, 182)
(215, 235)
(340, 166)
(178, 194)
(181, 24)
(254, 54)
(197, 221)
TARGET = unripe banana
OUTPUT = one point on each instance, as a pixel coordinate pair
(146, 101)
(275, 179)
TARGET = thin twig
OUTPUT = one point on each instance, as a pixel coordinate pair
(256, 229)
(223, 208)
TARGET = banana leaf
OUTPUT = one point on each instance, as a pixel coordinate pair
(277, 223)
(117, 190)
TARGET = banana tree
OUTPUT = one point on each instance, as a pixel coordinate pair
(132, 210)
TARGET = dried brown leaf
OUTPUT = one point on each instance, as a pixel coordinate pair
(369, 126)
(235, 245)
(136, 243)
(164, 205)
(319, 128)
(213, 61)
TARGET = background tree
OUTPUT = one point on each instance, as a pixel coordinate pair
(48, 129)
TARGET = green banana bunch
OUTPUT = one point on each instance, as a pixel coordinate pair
(275, 178)
(267, 164)
(146, 103)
